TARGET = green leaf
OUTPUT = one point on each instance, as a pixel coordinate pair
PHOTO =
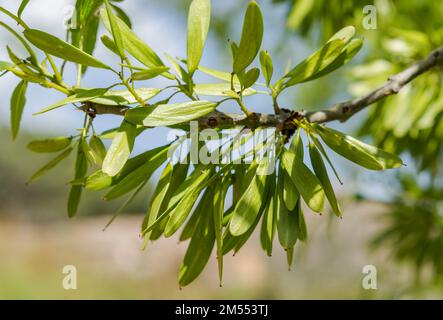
(267, 232)
(110, 44)
(149, 73)
(305, 181)
(98, 181)
(251, 77)
(49, 145)
(248, 207)
(4, 65)
(251, 39)
(98, 149)
(356, 151)
(135, 178)
(50, 165)
(181, 211)
(267, 66)
(290, 192)
(169, 114)
(198, 26)
(287, 223)
(222, 75)
(322, 175)
(122, 15)
(155, 205)
(81, 95)
(18, 101)
(201, 209)
(33, 57)
(59, 48)
(220, 89)
(81, 167)
(199, 249)
(22, 7)
(133, 44)
(316, 63)
(302, 228)
(115, 30)
(120, 149)
(175, 186)
(219, 197)
(125, 97)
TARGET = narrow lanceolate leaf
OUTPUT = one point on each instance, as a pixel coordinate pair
(251, 39)
(149, 73)
(133, 44)
(120, 149)
(305, 181)
(219, 208)
(199, 249)
(290, 193)
(98, 150)
(4, 65)
(81, 167)
(170, 114)
(269, 224)
(251, 77)
(18, 101)
(309, 68)
(115, 30)
(198, 26)
(136, 177)
(190, 227)
(267, 66)
(322, 175)
(22, 8)
(356, 151)
(49, 145)
(50, 165)
(222, 75)
(125, 97)
(81, 95)
(181, 211)
(220, 89)
(248, 207)
(156, 201)
(59, 48)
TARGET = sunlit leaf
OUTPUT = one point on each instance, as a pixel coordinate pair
(81, 95)
(198, 25)
(120, 149)
(199, 249)
(133, 44)
(59, 48)
(18, 101)
(356, 151)
(134, 178)
(115, 30)
(50, 165)
(251, 77)
(219, 89)
(149, 73)
(267, 66)
(169, 114)
(322, 175)
(305, 181)
(81, 167)
(49, 145)
(251, 38)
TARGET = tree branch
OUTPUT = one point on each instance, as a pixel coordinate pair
(344, 110)
(341, 111)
